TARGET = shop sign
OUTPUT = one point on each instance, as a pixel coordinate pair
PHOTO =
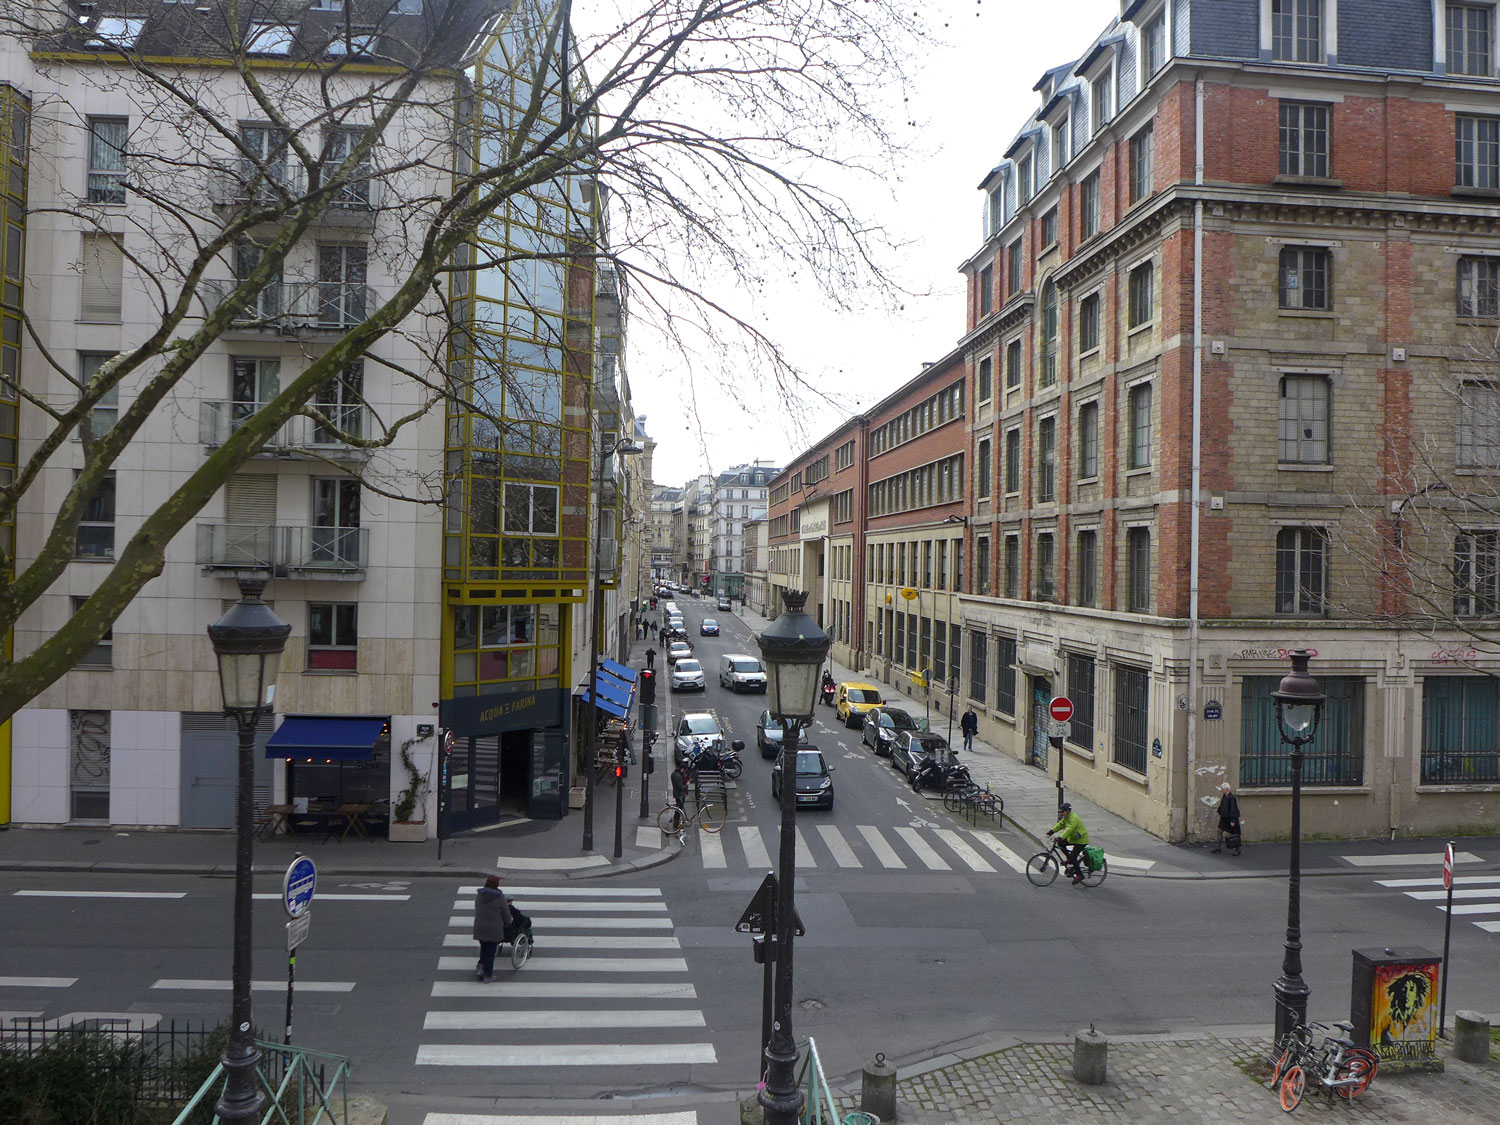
(478, 715)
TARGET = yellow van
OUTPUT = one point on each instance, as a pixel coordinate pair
(853, 699)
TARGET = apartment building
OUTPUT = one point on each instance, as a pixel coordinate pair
(659, 531)
(739, 496)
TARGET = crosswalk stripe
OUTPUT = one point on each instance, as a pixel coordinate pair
(843, 855)
(883, 851)
(571, 1054)
(581, 964)
(1463, 880)
(1458, 892)
(549, 1020)
(686, 1117)
(1491, 927)
(1423, 859)
(37, 982)
(554, 925)
(537, 905)
(581, 941)
(1475, 908)
(466, 899)
(105, 894)
(922, 849)
(591, 990)
(256, 985)
(805, 860)
(1007, 857)
(648, 836)
(755, 851)
(961, 849)
(1131, 862)
(337, 898)
(712, 849)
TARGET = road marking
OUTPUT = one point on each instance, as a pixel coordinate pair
(1007, 857)
(37, 982)
(804, 856)
(1458, 892)
(686, 1117)
(562, 892)
(712, 849)
(257, 985)
(1492, 927)
(571, 1054)
(961, 849)
(553, 925)
(1131, 863)
(103, 894)
(1466, 880)
(1422, 859)
(924, 851)
(593, 990)
(755, 851)
(842, 854)
(526, 863)
(548, 1020)
(581, 964)
(582, 941)
(344, 898)
(883, 851)
(532, 905)
(1475, 908)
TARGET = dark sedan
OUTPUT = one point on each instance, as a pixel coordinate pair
(814, 780)
(883, 724)
(709, 627)
(768, 735)
(911, 746)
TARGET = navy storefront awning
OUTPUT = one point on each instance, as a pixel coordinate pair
(619, 671)
(325, 736)
(612, 689)
(608, 706)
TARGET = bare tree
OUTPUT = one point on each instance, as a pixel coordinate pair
(675, 142)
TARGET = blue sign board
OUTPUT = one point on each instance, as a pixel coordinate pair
(298, 886)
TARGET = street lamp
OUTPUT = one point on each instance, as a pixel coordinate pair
(247, 642)
(624, 445)
(792, 648)
(1299, 705)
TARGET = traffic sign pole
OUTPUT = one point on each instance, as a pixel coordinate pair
(1061, 710)
(1447, 933)
(297, 890)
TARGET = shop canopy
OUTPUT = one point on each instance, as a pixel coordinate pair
(326, 736)
(617, 670)
(608, 706)
(613, 689)
(615, 695)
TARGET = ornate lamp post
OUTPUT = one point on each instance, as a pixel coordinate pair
(793, 648)
(247, 641)
(1299, 706)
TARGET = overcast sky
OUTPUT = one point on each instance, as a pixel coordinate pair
(970, 99)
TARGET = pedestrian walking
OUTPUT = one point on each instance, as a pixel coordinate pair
(1229, 821)
(969, 724)
(492, 920)
(680, 786)
(650, 657)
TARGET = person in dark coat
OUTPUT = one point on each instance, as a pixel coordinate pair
(969, 724)
(680, 787)
(492, 919)
(1229, 818)
(650, 657)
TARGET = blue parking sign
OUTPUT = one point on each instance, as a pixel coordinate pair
(298, 886)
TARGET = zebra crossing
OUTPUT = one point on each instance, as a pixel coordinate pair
(1474, 896)
(828, 846)
(606, 985)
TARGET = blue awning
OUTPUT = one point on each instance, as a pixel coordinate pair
(325, 736)
(608, 706)
(617, 670)
(611, 688)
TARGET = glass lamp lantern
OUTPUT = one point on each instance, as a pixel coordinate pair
(1299, 702)
(793, 648)
(248, 642)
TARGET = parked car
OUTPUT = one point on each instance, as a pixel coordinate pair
(708, 627)
(698, 728)
(741, 672)
(680, 650)
(912, 746)
(814, 779)
(687, 675)
(853, 699)
(882, 724)
(724, 606)
(769, 733)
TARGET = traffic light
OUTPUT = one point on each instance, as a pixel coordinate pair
(619, 771)
(648, 687)
(648, 763)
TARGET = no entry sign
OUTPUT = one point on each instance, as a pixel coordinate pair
(1061, 708)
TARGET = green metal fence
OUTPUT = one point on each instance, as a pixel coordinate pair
(302, 1087)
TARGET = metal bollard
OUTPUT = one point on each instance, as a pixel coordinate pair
(877, 1093)
(1090, 1057)
(1471, 1037)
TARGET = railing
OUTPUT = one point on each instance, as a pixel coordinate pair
(240, 183)
(217, 420)
(295, 306)
(302, 1087)
(819, 1106)
(334, 549)
(1460, 767)
(284, 550)
(157, 1062)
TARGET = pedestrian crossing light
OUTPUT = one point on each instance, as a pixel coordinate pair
(620, 771)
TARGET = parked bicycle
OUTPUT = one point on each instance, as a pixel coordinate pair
(974, 798)
(674, 821)
(1043, 867)
(1337, 1066)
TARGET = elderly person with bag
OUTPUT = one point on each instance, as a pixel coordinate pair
(492, 923)
(1229, 821)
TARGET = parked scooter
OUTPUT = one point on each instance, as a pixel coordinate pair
(931, 775)
(703, 757)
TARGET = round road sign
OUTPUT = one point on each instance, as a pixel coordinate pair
(298, 886)
(1061, 708)
(1448, 867)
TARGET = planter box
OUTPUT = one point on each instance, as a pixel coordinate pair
(408, 831)
(576, 796)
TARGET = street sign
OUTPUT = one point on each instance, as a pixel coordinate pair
(1448, 867)
(298, 886)
(1060, 729)
(296, 930)
(1061, 708)
(757, 918)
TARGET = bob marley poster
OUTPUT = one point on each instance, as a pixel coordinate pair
(1404, 1009)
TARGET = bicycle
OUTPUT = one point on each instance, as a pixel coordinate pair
(674, 821)
(1338, 1066)
(1043, 867)
(973, 797)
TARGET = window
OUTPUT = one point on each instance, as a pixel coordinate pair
(1302, 423)
(1140, 426)
(942, 565)
(1301, 570)
(955, 653)
(1476, 574)
(342, 295)
(1059, 158)
(982, 565)
(1479, 288)
(1088, 323)
(911, 641)
(1012, 566)
(1142, 295)
(927, 563)
(339, 144)
(986, 290)
(335, 522)
(332, 636)
(1013, 269)
(939, 651)
(1089, 203)
(1012, 460)
(982, 471)
(95, 537)
(1335, 756)
(1088, 440)
(268, 39)
(1005, 675)
(1099, 100)
(1023, 179)
(1154, 44)
(986, 379)
(1081, 692)
(1303, 142)
(106, 411)
(103, 269)
(1296, 30)
(1132, 711)
(1476, 151)
(1049, 335)
(1478, 429)
(1046, 568)
(107, 159)
(900, 636)
(1087, 566)
(102, 654)
(1140, 165)
(1470, 46)
(1046, 460)
(1049, 227)
(979, 645)
(1304, 273)
(1138, 569)
(1013, 365)
(1459, 743)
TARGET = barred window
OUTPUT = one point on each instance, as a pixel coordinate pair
(1138, 569)
(1301, 570)
(1012, 566)
(1335, 756)
(1087, 565)
(1132, 712)
(1081, 692)
(1459, 743)
(1302, 422)
(978, 668)
(1005, 675)
(1046, 460)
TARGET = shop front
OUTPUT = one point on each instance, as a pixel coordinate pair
(503, 755)
(338, 767)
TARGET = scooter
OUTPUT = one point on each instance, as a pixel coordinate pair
(829, 688)
(930, 775)
(726, 762)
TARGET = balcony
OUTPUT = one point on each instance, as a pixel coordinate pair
(217, 420)
(294, 308)
(285, 551)
(239, 184)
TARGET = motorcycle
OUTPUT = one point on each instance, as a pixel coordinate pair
(930, 775)
(829, 687)
(704, 757)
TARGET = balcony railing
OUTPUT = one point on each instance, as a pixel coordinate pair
(218, 420)
(300, 551)
(239, 183)
(296, 307)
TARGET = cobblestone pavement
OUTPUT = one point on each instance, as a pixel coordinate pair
(1204, 1080)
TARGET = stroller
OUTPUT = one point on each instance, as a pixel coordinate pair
(518, 937)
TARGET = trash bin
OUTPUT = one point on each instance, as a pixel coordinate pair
(1394, 1005)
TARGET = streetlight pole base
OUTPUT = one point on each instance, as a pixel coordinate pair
(243, 1099)
(1291, 1004)
(781, 1105)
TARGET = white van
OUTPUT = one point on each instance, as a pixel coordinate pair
(739, 672)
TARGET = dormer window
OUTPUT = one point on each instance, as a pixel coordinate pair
(1297, 30)
(1024, 179)
(268, 39)
(1101, 104)
(1059, 145)
(353, 45)
(118, 33)
(1154, 45)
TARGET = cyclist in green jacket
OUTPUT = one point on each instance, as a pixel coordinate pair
(1075, 837)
